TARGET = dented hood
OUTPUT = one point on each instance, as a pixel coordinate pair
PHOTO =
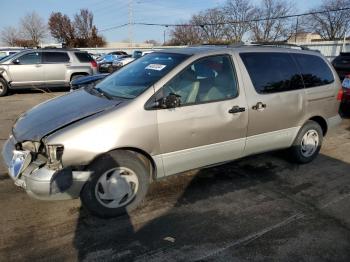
(59, 112)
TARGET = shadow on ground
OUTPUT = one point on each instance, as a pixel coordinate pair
(213, 209)
(32, 90)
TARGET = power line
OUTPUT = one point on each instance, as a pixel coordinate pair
(228, 22)
(114, 27)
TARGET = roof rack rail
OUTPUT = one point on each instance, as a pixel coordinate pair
(218, 45)
(279, 44)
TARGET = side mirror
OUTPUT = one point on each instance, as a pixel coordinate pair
(16, 62)
(172, 101)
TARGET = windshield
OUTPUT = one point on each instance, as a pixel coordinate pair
(6, 58)
(133, 79)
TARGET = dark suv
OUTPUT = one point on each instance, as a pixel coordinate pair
(342, 64)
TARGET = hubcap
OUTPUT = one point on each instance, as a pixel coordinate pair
(117, 187)
(309, 143)
(1, 87)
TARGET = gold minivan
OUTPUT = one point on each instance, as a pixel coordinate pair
(168, 112)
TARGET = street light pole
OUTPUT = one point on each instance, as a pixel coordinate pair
(164, 34)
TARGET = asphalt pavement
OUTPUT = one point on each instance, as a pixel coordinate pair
(261, 208)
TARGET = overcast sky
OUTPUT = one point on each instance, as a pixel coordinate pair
(108, 13)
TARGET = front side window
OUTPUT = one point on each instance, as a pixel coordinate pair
(55, 57)
(136, 77)
(208, 79)
(272, 72)
(314, 70)
(30, 58)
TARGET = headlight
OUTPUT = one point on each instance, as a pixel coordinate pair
(31, 146)
(54, 153)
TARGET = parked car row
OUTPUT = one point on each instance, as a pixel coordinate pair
(20, 68)
(116, 65)
(44, 68)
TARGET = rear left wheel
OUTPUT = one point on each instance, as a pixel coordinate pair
(308, 143)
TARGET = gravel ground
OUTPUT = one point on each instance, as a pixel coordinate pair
(260, 208)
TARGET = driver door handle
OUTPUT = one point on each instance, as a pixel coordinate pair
(236, 109)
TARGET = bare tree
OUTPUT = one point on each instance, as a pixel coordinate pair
(213, 23)
(83, 22)
(239, 12)
(61, 28)
(80, 33)
(333, 24)
(271, 28)
(9, 35)
(152, 42)
(184, 35)
(33, 28)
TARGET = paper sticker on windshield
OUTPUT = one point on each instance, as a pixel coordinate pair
(157, 67)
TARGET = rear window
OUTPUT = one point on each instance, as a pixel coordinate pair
(272, 72)
(314, 70)
(84, 57)
(55, 57)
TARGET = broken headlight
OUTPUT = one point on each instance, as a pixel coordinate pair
(54, 154)
(30, 146)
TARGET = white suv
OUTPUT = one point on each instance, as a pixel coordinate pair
(44, 68)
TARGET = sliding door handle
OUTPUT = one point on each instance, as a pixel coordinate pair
(260, 106)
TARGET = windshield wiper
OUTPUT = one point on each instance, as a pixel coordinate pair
(103, 93)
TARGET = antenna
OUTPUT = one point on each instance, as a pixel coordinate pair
(131, 21)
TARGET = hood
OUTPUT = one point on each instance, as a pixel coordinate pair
(88, 79)
(54, 114)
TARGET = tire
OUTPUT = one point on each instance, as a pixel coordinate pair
(74, 77)
(3, 87)
(110, 69)
(121, 193)
(308, 143)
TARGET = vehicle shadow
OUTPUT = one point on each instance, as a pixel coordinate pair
(37, 90)
(196, 210)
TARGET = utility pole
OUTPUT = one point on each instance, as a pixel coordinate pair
(296, 29)
(131, 21)
(344, 40)
(166, 27)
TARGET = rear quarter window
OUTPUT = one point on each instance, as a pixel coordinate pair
(55, 57)
(83, 57)
(272, 72)
(315, 71)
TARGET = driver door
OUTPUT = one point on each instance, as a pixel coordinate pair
(27, 70)
(209, 126)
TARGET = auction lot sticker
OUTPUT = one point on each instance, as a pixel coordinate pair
(157, 67)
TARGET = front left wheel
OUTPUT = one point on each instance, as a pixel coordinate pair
(3, 87)
(118, 184)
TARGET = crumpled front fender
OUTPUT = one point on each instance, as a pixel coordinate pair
(3, 74)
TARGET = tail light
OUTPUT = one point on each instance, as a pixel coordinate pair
(340, 94)
(93, 63)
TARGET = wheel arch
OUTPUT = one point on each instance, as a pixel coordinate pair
(322, 122)
(143, 155)
(78, 73)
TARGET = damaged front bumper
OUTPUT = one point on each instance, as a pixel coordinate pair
(39, 181)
